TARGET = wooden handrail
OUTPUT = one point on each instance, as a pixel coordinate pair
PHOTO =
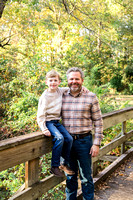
(116, 117)
(28, 148)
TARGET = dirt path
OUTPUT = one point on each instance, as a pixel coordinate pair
(119, 186)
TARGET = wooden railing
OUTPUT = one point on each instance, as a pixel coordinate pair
(29, 148)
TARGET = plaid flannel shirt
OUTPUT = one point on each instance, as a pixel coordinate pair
(82, 114)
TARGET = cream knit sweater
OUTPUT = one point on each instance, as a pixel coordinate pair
(49, 107)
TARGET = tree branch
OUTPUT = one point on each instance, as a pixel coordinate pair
(2, 44)
(80, 21)
(71, 13)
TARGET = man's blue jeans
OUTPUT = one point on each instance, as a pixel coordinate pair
(62, 142)
(80, 159)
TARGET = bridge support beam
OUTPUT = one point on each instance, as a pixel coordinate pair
(123, 133)
(31, 172)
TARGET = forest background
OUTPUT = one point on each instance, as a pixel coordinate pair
(39, 35)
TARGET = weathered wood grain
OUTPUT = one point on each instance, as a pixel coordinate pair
(117, 117)
(23, 152)
(32, 193)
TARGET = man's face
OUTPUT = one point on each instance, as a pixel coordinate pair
(75, 82)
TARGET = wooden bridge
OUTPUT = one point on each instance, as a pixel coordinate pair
(29, 148)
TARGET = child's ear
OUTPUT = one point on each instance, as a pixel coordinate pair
(46, 82)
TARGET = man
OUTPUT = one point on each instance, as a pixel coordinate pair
(80, 113)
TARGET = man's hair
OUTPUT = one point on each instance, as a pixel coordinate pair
(75, 69)
(52, 74)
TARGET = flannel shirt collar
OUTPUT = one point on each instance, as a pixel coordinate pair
(78, 95)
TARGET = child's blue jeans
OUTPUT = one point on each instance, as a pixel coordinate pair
(62, 142)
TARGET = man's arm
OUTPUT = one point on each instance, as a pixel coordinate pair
(98, 127)
(64, 89)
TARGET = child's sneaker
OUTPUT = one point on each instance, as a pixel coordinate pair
(56, 171)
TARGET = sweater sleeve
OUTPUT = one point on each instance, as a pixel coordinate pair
(63, 89)
(41, 114)
(97, 121)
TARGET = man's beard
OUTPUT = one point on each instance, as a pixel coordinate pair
(75, 89)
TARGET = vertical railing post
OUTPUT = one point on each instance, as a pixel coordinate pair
(95, 168)
(31, 172)
(123, 133)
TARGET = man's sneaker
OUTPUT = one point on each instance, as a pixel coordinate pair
(56, 171)
(67, 169)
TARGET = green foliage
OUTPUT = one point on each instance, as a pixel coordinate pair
(22, 112)
(116, 82)
(96, 37)
(131, 88)
(96, 75)
(41, 35)
(7, 74)
(45, 165)
(11, 180)
(57, 192)
(129, 71)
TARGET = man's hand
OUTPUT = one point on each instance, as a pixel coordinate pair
(94, 150)
(85, 90)
(47, 133)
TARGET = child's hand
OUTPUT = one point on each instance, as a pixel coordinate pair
(47, 133)
(85, 90)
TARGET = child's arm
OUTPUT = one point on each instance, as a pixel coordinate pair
(41, 117)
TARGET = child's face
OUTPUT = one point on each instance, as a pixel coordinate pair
(53, 83)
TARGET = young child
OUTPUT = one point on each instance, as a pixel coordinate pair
(48, 116)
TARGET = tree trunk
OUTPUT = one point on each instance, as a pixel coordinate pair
(2, 6)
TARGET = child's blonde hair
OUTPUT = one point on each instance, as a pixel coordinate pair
(52, 74)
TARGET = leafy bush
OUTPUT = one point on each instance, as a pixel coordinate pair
(96, 75)
(11, 180)
(116, 82)
(129, 71)
(131, 88)
(23, 111)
